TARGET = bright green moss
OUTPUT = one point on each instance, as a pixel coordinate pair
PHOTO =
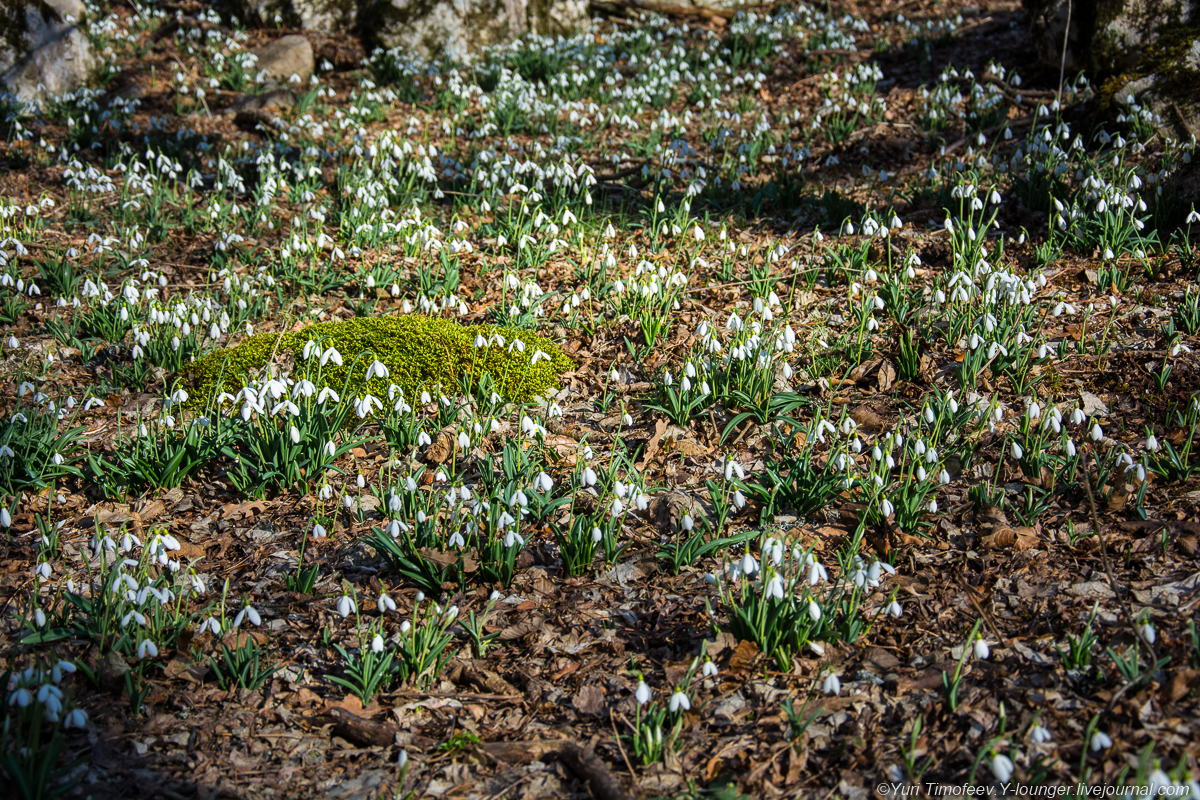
(419, 352)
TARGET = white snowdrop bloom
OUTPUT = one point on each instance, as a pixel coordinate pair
(643, 693)
(1040, 735)
(247, 613)
(1002, 767)
(981, 649)
(680, 701)
(831, 685)
(1100, 741)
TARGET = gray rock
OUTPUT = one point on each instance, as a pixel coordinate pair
(43, 52)
(1106, 36)
(285, 57)
(426, 28)
(463, 29)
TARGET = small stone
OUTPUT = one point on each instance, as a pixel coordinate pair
(284, 58)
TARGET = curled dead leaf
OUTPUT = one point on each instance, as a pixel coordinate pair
(1015, 538)
(531, 625)
(442, 447)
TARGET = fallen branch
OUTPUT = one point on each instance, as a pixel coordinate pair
(580, 760)
(186, 23)
(1017, 123)
(715, 16)
(360, 730)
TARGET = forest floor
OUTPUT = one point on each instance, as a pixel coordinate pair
(882, 409)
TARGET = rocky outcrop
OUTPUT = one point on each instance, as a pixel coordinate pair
(428, 28)
(1144, 53)
(1106, 36)
(42, 51)
(1162, 89)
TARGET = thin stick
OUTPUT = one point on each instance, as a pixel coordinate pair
(621, 747)
(1062, 67)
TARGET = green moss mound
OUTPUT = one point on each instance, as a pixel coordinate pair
(421, 353)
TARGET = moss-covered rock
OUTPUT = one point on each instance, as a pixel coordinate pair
(1106, 36)
(420, 353)
(1162, 85)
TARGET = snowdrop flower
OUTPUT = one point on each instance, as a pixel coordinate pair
(1002, 767)
(346, 606)
(814, 610)
(1100, 741)
(1148, 633)
(1096, 433)
(981, 649)
(832, 685)
(147, 649)
(679, 700)
(894, 609)
(377, 644)
(249, 613)
(1039, 735)
(643, 693)
(774, 588)
(377, 368)
(77, 718)
(1017, 452)
(60, 669)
